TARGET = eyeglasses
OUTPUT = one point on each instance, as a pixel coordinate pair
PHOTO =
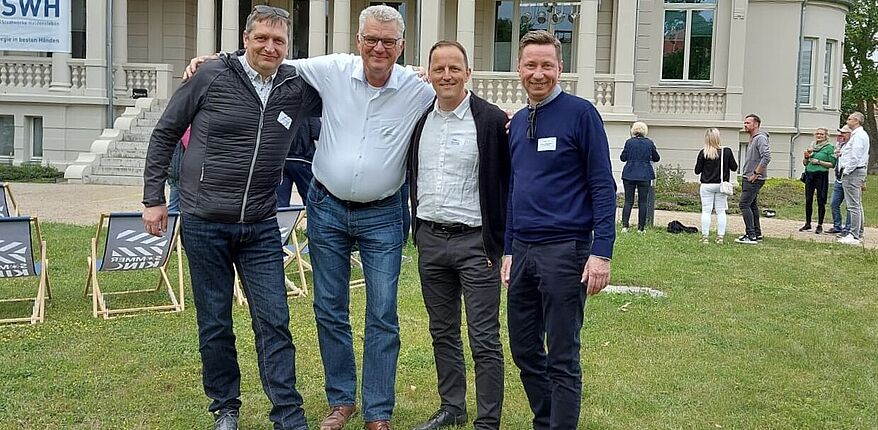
(531, 122)
(373, 41)
(270, 10)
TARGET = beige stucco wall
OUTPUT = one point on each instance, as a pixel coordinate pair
(68, 129)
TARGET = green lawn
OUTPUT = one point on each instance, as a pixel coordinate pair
(786, 196)
(780, 336)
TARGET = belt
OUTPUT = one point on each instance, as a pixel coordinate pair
(351, 204)
(452, 228)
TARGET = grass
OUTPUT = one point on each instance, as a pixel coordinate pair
(784, 195)
(780, 336)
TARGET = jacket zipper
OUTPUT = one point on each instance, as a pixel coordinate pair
(256, 148)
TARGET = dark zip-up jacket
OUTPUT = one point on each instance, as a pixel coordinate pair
(237, 147)
(493, 144)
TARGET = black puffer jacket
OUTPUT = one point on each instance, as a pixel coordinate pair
(236, 151)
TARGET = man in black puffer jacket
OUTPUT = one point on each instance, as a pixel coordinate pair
(244, 110)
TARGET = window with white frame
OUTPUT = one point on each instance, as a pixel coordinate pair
(828, 67)
(806, 67)
(687, 43)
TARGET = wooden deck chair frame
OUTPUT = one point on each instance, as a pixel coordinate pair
(8, 207)
(27, 268)
(295, 254)
(287, 225)
(93, 289)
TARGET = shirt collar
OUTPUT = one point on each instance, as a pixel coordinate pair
(253, 74)
(359, 73)
(459, 111)
(555, 93)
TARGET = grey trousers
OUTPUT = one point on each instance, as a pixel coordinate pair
(451, 265)
(852, 183)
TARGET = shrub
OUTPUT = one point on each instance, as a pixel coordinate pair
(669, 179)
(29, 173)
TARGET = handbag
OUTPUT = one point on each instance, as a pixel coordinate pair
(725, 187)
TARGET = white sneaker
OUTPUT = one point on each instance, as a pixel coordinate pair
(746, 240)
(849, 240)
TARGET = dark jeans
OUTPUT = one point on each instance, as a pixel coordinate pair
(749, 206)
(819, 182)
(173, 197)
(546, 305)
(295, 172)
(642, 188)
(334, 227)
(451, 264)
(835, 207)
(212, 248)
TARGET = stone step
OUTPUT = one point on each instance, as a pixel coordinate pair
(136, 137)
(142, 129)
(122, 162)
(116, 180)
(126, 145)
(117, 171)
(152, 115)
(127, 153)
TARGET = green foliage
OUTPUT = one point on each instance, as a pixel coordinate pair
(669, 179)
(29, 173)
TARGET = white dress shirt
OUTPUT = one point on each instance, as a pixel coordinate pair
(263, 87)
(448, 167)
(855, 153)
(365, 137)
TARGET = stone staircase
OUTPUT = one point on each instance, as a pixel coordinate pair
(117, 156)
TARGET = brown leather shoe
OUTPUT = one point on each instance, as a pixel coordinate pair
(378, 425)
(338, 417)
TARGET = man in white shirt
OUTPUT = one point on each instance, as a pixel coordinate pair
(459, 170)
(371, 105)
(852, 165)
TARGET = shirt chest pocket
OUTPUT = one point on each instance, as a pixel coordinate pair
(385, 133)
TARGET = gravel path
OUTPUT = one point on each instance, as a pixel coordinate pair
(82, 205)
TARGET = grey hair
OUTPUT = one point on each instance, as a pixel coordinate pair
(639, 129)
(382, 13)
(273, 17)
(861, 119)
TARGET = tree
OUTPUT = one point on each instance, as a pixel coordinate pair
(860, 79)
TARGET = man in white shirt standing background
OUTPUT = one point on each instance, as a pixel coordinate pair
(852, 165)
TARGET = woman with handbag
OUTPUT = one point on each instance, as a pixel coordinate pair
(715, 164)
(638, 154)
(818, 159)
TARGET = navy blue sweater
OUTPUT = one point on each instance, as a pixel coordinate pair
(567, 193)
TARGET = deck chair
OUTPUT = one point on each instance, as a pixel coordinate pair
(126, 248)
(297, 251)
(17, 261)
(7, 202)
(287, 220)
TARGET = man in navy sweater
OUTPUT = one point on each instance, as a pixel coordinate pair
(560, 229)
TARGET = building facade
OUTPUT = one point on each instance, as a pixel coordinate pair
(681, 66)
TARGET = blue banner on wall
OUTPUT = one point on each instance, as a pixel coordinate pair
(35, 25)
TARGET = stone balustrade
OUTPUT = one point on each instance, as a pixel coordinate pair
(504, 88)
(27, 73)
(604, 90)
(707, 102)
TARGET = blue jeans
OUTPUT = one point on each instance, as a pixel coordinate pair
(835, 208)
(334, 226)
(173, 197)
(212, 248)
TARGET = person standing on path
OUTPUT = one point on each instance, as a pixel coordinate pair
(638, 154)
(818, 159)
(755, 172)
(844, 134)
(708, 166)
(852, 164)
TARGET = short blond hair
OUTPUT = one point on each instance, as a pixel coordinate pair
(540, 37)
(639, 129)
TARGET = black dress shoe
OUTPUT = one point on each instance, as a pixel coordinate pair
(442, 419)
(805, 227)
(819, 230)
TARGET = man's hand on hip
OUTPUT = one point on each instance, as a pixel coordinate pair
(595, 275)
(155, 220)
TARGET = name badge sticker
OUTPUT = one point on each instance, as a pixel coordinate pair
(546, 144)
(284, 120)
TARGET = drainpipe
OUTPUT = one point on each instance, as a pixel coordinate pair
(110, 108)
(798, 88)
